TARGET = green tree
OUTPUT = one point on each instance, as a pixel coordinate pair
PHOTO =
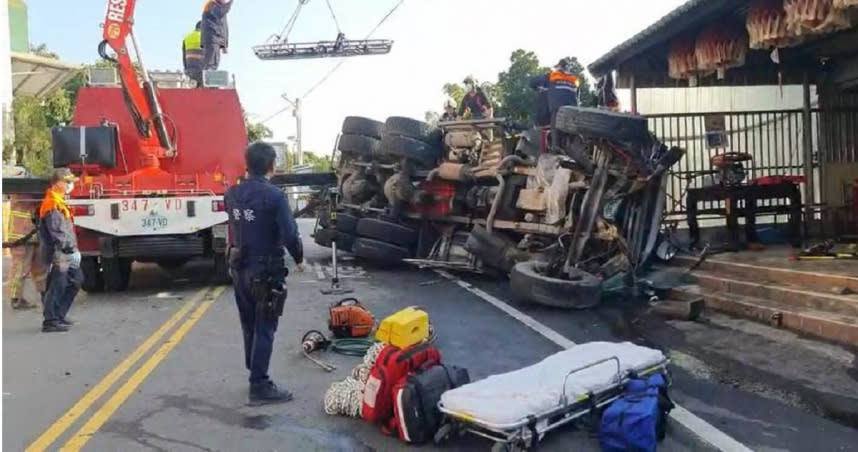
(515, 97)
(43, 51)
(431, 117)
(454, 91)
(32, 135)
(586, 96)
(256, 131)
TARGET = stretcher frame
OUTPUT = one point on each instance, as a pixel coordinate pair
(526, 433)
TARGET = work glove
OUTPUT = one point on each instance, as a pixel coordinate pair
(75, 260)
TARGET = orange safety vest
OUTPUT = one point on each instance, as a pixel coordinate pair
(55, 200)
(563, 78)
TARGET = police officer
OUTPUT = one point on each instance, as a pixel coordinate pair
(215, 32)
(192, 55)
(261, 225)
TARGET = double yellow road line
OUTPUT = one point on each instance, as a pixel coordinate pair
(200, 302)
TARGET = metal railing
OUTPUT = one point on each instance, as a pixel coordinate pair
(774, 138)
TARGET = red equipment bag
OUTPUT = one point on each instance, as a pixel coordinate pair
(416, 417)
(392, 365)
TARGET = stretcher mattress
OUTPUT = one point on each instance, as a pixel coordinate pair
(509, 398)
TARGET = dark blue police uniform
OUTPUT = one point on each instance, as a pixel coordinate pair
(261, 225)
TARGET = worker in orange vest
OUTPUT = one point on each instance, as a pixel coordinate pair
(59, 251)
(215, 32)
(562, 85)
(22, 239)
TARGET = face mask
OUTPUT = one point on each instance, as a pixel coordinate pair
(69, 187)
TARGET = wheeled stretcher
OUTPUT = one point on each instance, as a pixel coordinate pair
(518, 408)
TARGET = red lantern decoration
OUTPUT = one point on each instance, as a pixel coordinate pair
(767, 25)
(814, 17)
(682, 61)
(721, 47)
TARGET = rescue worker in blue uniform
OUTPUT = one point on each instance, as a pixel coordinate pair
(261, 226)
(562, 86)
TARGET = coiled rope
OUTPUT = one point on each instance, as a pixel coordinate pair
(346, 397)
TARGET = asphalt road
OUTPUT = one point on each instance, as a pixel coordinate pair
(187, 390)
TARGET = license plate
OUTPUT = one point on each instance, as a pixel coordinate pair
(143, 205)
(154, 222)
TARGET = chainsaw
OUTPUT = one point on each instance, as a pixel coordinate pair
(350, 319)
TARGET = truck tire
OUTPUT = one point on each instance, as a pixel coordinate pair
(387, 231)
(597, 123)
(93, 281)
(116, 272)
(412, 128)
(410, 148)
(325, 237)
(346, 222)
(528, 283)
(356, 125)
(358, 145)
(221, 269)
(378, 251)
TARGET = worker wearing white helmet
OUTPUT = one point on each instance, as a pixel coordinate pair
(475, 101)
(449, 111)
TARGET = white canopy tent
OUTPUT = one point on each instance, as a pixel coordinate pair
(39, 76)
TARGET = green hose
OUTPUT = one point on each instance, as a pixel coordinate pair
(351, 347)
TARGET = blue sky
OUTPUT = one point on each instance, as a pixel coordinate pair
(436, 41)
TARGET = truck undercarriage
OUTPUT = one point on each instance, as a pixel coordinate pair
(562, 212)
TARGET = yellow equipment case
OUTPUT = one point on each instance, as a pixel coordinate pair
(404, 328)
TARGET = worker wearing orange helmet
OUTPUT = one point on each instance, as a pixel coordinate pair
(214, 32)
(59, 252)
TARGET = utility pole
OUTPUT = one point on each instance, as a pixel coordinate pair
(296, 113)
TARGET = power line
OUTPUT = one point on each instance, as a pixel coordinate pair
(336, 22)
(340, 63)
(274, 115)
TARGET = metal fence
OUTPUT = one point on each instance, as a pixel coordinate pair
(775, 140)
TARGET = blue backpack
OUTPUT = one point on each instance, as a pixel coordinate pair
(636, 421)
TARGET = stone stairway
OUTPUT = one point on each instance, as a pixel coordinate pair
(819, 304)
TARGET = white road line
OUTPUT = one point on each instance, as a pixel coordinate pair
(705, 431)
(550, 334)
(319, 272)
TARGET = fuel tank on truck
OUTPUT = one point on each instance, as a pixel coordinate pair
(207, 125)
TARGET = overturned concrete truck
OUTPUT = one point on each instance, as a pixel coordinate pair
(562, 212)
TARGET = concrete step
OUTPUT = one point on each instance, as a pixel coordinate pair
(786, 294)
(818, 281)
(839, 328)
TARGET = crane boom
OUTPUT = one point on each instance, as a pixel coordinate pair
(142, 99)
